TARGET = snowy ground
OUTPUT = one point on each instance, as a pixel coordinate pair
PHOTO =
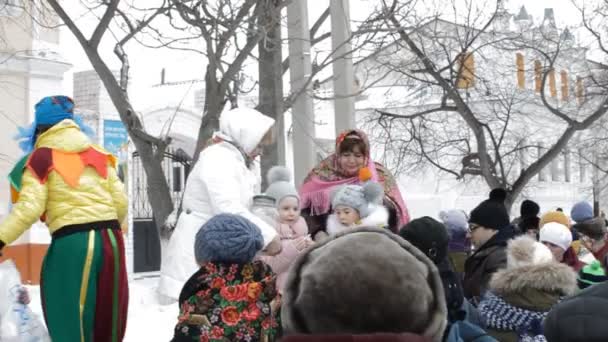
(148, 320)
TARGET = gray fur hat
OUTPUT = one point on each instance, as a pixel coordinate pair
(364, 281)
(594, 228)
(279, 180)
(358, 197)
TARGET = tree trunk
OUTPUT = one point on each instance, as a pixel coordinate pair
(271, 86)
(158, 191)
(214, 104)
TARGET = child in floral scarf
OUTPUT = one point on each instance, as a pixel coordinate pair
(229, 297)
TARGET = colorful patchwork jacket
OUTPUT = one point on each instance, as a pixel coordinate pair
(66, 180)
(228, 302)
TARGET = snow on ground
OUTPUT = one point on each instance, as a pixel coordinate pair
(147, 321)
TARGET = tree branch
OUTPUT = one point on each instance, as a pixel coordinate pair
(68, 22)
(102, 27)
(418, 114)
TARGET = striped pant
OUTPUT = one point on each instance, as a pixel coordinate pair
(84, 286)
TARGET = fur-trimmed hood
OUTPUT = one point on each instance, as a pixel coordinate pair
(378, 217)
(530, 266)
(546, 277)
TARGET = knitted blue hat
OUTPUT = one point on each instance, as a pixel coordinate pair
(581, 212)
(227, 238)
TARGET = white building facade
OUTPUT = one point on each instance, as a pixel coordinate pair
(498, 73)
(31, 67)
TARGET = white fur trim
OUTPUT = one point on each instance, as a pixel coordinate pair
(524, 251)
(378, 218)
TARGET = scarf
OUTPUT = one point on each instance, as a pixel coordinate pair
(315, 192)
(499, 315)
(219, 137)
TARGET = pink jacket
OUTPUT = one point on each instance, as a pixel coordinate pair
(281, 262)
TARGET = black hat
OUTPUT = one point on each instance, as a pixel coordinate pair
(498, 195)
(429, 236)
(491, 213)
(528, 223)
(529, 209)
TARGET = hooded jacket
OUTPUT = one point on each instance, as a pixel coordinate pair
(67, 180)
(521, 295)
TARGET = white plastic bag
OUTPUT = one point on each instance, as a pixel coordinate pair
(17, 321)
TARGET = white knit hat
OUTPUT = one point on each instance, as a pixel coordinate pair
(557, 234)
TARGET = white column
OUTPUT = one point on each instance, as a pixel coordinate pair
(344, 78)
(300, 70)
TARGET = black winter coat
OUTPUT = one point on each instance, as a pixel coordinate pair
(480, 266)
(581, 318)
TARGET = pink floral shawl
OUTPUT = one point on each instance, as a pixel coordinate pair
(315, 192)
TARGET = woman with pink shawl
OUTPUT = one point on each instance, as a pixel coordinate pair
(352, 154)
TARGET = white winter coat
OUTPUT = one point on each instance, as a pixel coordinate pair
(220, 182)
(377, 218)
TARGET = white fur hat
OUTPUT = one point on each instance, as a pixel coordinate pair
(557, 234)
(525, 251)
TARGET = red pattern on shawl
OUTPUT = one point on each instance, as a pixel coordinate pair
(315, 191)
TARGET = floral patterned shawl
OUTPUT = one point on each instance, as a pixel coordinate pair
(228, 302)
(315, 192)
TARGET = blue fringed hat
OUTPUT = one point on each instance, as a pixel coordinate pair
(49, 111)
(54, 109)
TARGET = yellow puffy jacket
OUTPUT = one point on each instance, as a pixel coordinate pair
(89, 198)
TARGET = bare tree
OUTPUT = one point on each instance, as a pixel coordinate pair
(226, 33)
(231, 32)
(478, 102)
(151, 149)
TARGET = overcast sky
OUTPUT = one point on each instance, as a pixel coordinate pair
(146, 64)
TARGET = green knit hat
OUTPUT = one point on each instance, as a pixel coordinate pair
(591, 274)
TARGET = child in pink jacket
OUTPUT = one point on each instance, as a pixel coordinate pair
(291, 226)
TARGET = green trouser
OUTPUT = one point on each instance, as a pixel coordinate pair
(84, 287)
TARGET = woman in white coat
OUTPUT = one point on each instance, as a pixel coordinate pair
(222, 181)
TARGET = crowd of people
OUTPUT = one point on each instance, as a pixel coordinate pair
(352, 266)
(338, 259)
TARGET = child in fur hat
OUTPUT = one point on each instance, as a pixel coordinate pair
(290, 225)
(521, 295)
(357, 206)
(229, 298)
